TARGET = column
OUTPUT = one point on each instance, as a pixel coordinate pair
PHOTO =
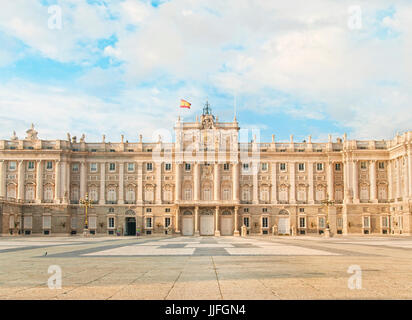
(255, 173)
(39, 181)
(2, 178)
(57, 181)
(355, 182)
(274, 183)
(196, 221)
(372, 180)
(235, 175)
(196, 172)
(139, 183)
(390, 184)
(217, 182)
(102, 198)
(67, 183)
(82, 179)
(178, 178)
(292, 196)
(331, 181)
(121, 182)
(410, 170)
(217, 231)
(177, 220)
(158, 182)
(236, 233)
(398, 178)
(20, 185)
(406, 179)
(311, 184)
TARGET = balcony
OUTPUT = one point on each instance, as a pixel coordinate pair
(130, 202)
(111, 202)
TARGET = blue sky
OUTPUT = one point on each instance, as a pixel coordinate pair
(121, 67)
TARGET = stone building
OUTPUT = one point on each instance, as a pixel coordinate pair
(211, 181)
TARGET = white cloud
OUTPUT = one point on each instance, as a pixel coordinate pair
(273, 54)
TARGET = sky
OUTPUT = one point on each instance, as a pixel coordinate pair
(296, 67)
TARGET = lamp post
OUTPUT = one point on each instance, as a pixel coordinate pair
(328, 203)
(86, 203)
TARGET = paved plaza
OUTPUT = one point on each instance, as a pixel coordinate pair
(265, 267)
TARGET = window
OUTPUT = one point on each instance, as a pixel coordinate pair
(301, 167)
(187, 166)
(363, 165)
(339, 222)
(245, 209)
(48, 193)
(381, 165)
(167, 222)
(149, 166)
(302, 222)
(188, 194)
(384, 222)
(264, 209)
(75, 167)
(245, 167)
(226, 194)
(46, 222)
(283, 167)
(207, 194)
(12, 165)
(226, 166)
(301, 209)
(30, 165)
(111, 195)
(319, 166)
(168, 166)
(264, 167)
(321, 222)
(130, 167)
(111, 210)
(337, 166)
(49, 165)
(130, 195)
(167, 210)
(148, 222)
(112, 167)
(111, 222)
(366, 222)
(148, 209)
(93, 167)
(265, 223)
(246, 221)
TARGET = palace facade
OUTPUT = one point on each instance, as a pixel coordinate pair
(212, 180)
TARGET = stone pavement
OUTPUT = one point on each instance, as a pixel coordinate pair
(261, 267)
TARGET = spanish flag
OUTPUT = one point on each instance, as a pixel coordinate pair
(185, 104)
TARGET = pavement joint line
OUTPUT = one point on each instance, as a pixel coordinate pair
(217, 278)
(129, 284)
(84, 284)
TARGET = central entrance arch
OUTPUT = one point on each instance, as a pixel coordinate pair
(207, 224)
(130, 226)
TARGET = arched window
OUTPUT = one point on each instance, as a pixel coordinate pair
(283, 193)
(382, 194)
(246, 194)
(48, 193)
(339, 193)
(301, 193)
(75, 193)
(364, 193)
(29, 192)
(149, 193)
(11, 191)
(320, 193)
(111, 194)
(130, 194)
(226, 193)
(93, 194)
